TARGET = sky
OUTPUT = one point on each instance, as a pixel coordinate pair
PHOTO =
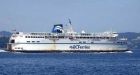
(87, 15)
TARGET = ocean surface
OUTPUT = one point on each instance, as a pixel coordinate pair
(70, 63)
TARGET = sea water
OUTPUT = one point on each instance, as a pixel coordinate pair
(12, 63)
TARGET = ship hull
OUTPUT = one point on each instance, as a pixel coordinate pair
(63, 47)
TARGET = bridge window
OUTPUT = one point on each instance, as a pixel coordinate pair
(12, 41)
(84, 41)
(17, 32)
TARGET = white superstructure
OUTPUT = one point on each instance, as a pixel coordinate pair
(61, 40)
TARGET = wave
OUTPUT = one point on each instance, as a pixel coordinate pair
(2, 50)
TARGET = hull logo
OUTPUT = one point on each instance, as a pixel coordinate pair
(79, 47)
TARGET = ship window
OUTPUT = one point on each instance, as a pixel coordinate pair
(107, 37)
(60, 36)
(38, 41)
(46, 36)
(28, 41)
(12, 41)
(80, 42)
(25, 36)
(92, 42)
(17, 32)
(103, 37)
(33, 41)
(84, 41)
(94, 37)
(120, 42)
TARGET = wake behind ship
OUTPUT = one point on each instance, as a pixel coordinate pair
(64, 39)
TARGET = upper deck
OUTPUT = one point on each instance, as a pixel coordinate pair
(104, 35)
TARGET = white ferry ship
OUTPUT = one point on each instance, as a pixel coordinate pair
(66, 40)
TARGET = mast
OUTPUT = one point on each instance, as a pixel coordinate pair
(70, 29)
(69, 21)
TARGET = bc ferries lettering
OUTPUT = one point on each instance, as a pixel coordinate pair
(79, 47)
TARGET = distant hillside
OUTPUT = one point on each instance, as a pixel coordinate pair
(4, 38)
(129, 35)
(133, 39)
(5, 34)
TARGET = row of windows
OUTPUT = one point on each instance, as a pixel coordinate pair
(79, 42)
(40, 34)
(39, 41)
(70, 37)
(44, 36)
(34, 37)
(86, 34)
(82, 42)
(18, 48)
(80, 34)
(33, 41)
(97, 37)
(122, 42)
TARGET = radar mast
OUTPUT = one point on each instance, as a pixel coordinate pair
(69, 27)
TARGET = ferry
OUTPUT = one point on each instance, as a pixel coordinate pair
(65, 39)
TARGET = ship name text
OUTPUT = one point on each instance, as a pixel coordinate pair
(79, 47)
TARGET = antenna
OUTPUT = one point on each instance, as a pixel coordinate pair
(70, 29)
(14, 29)
(69, 21)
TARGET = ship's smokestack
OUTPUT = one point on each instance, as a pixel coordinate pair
(58, 28)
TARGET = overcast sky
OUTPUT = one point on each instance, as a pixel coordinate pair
(88, 15)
